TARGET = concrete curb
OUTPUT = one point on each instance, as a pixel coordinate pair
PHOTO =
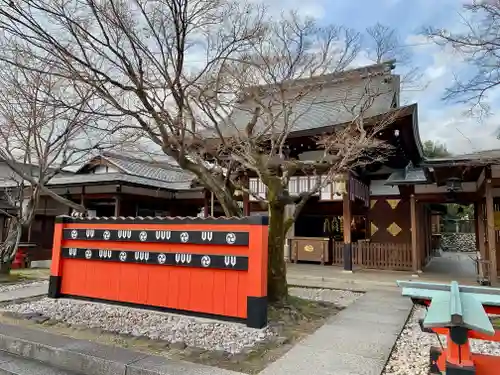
(87, 357)
(337, 283)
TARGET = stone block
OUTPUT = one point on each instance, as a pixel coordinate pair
(20, 366)
(155, 365)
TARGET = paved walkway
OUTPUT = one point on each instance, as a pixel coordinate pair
(357, 341)
(24, 293)
(440, 270)
(452, 265)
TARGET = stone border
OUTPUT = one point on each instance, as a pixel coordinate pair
(92, 358)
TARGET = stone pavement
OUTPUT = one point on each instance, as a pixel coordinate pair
(24, 293)
(357, 341)
(309, 275)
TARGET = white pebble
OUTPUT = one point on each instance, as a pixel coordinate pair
(411, 353)
(206, 334)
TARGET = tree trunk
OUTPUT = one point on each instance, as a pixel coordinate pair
(277, 288)
(9, 247)
(5, 268)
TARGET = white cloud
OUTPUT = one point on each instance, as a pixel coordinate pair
(447, 122)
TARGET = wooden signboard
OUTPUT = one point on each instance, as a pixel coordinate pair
(208, 267)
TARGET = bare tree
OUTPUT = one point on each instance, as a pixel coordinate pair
(182, 70)
(39, 137)
(383, 43)
(478, 43)
(255, 103)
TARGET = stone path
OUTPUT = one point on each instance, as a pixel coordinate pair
(24, 293)
(357, 341)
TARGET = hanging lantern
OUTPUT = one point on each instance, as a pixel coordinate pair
(453, 184)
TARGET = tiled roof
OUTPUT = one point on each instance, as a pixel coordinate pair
(118, 177)
(331, 103)
(134, 171)
(476, 158)
(409, 176)
(165, 172)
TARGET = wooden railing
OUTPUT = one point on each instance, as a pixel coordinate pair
(389, 256)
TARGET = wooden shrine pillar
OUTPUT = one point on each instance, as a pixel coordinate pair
(118, 203)
(481, 232)
(414, 234)
(477, 207)
(347, 218)
(490, 231)
(246, 198)
(206, 204)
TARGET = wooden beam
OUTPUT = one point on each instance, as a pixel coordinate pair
(490, 230)
(441, 197)
(414, 233)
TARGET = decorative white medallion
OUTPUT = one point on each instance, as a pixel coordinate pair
(89, 233)
(106, 235)
(205, 261)
(122, 256)
(74, 234)
(184, 237)
(162, 258)
(206, 236)
(88, 254)
(230, 238)
(230, 260)
(72, 252)
(143, 236)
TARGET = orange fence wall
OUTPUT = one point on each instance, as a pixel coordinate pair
(214, 267)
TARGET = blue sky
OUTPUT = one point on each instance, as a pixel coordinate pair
(439, 121)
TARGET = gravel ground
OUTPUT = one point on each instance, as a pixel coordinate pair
(411, 353)
(23, 284)
(182, 330)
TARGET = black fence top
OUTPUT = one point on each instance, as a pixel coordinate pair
(249, 220)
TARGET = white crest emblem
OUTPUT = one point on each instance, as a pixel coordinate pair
(106, 235)
(88, 254)
(206, 236)
(106, 254)
(230, 260)
(143, 236)
(162, 258)
(205, 261)
(230, 238)
(163, 234)
(184, 237)
(141, 255)
(74, 234)
(123, 256)
(72, 252)
(89, 233)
